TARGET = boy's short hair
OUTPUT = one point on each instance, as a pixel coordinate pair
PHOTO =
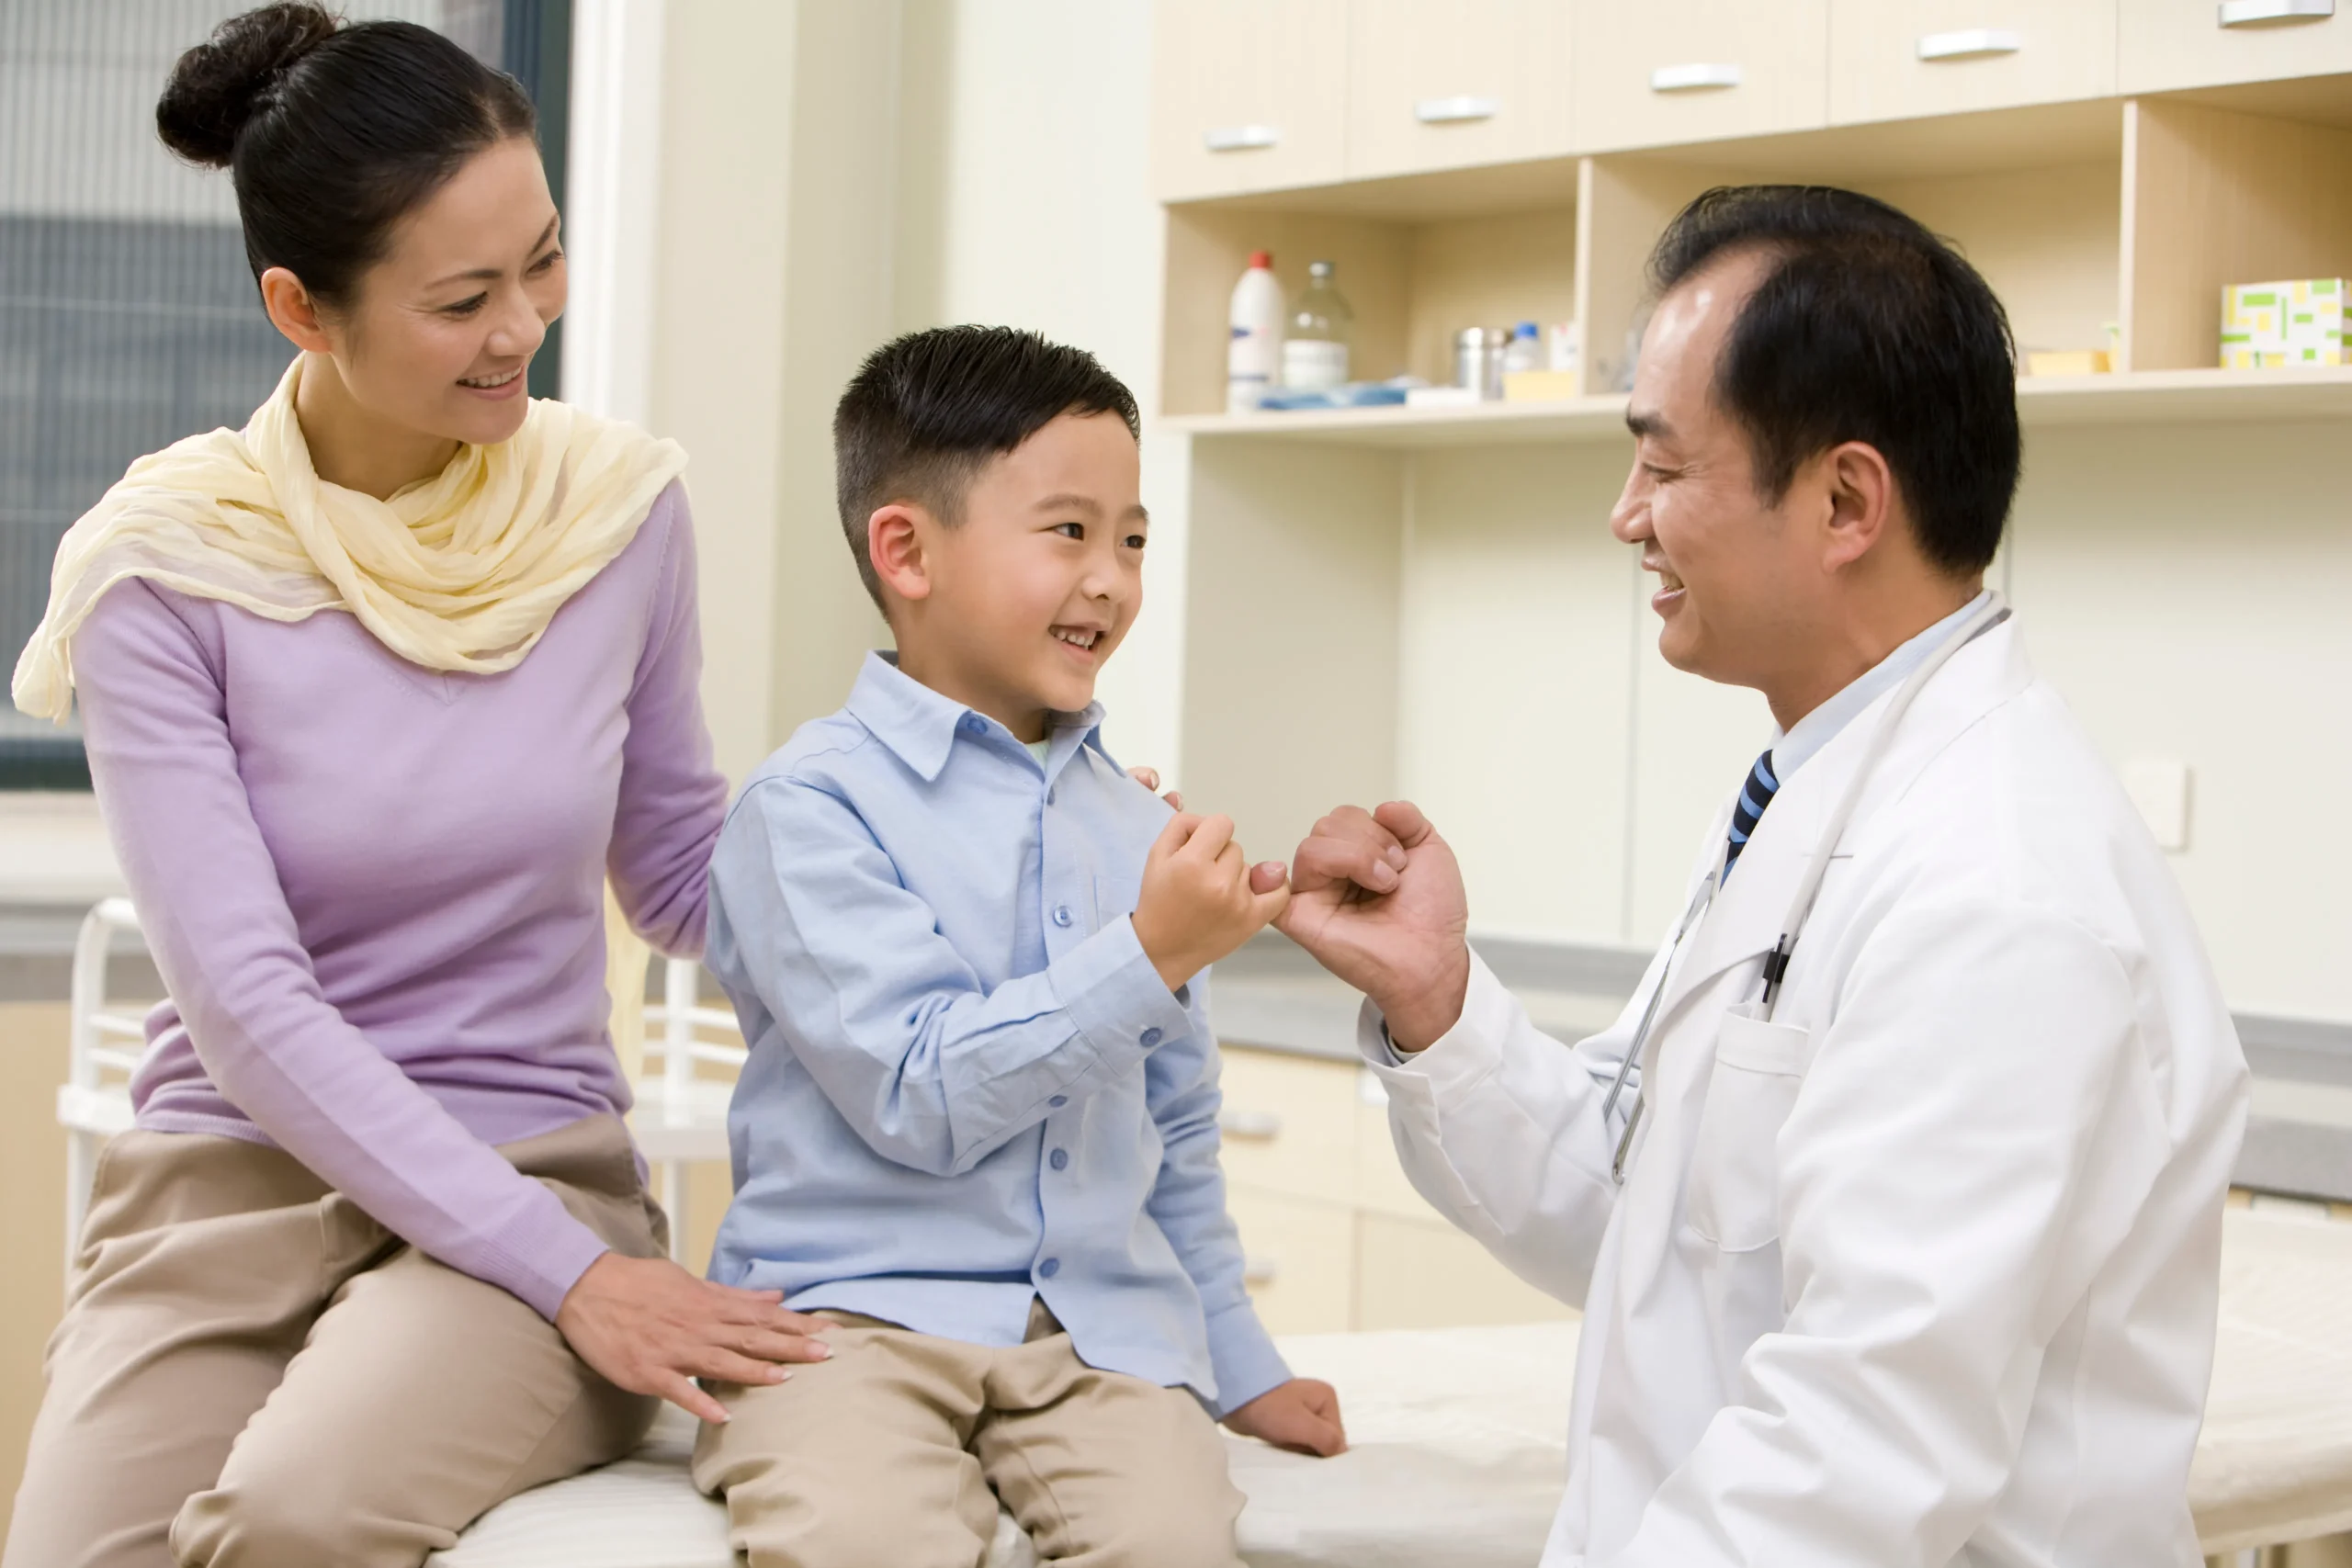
(927, 409)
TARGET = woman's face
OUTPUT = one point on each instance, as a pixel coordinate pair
(441, 333)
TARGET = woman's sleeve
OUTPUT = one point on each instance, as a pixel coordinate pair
(217, 921)
(673, 798)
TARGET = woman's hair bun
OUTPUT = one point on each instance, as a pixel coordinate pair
(220, 85)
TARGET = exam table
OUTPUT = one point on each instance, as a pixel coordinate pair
(1458, 1441)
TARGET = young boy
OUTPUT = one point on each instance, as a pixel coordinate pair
(978, 1130)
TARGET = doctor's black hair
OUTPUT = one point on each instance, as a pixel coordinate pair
(333, 133)
(1866, 327)
(927, 411)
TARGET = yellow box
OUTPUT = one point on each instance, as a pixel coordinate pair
(1539, 386)
(2066, 362)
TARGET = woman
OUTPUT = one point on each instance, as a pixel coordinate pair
(378, 693)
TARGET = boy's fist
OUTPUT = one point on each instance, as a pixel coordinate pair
(1301, 1414)
(1201, 900)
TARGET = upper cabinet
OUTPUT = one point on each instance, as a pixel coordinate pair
(1251, 95)
(2195, 43)
(1897, 58)
(1446, 84)
(1673, 71)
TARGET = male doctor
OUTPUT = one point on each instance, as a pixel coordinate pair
(1898, 1247)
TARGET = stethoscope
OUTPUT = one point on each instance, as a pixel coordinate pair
(1776, 963)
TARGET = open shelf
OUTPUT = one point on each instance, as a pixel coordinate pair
(2143, 396)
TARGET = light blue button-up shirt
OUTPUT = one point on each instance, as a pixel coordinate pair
(968, 1086)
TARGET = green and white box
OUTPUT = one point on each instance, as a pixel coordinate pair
(2269, 325)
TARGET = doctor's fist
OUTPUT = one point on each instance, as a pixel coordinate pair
(1201, 898)
(1376, 896)
(1302, 1415)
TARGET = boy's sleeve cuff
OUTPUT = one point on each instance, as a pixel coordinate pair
(1114, 996)
(1243, 1357)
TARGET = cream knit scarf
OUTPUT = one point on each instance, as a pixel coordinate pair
(461, 571)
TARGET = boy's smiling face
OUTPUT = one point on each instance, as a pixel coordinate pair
(1013, 610)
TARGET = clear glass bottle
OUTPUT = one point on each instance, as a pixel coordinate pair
(1315, 344)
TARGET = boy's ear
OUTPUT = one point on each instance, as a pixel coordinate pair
(894, 543)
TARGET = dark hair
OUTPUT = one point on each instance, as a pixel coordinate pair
(1866, 327)
(333, 133)
(926, 410)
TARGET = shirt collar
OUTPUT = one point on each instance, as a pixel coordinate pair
(921, 726)
(1794, 748)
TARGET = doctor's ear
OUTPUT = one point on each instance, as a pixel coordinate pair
(1859, 489)
(894, 543)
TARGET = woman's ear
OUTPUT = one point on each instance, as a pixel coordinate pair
(292, 311)
(894, 543)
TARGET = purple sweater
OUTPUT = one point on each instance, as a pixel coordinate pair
(375, 891)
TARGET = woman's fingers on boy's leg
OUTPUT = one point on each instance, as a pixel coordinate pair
(777, 1345)
(730, 1366)
(684, 1393)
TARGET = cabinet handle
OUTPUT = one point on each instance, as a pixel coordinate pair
(1241, 138)
(1259, 1270)
(2242, 13)
(1455, 111)
(1692, 77)
(1969, 43)
(1257, 1125)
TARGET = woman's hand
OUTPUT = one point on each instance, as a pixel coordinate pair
(1149, 778)
(651, 1327)
(1302, 1415)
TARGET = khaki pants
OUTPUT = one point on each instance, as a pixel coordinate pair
(893, 1454)
(252, 1373)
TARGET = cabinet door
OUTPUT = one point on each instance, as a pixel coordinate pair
(1288, 1123)
(2164, 44)
(1443, 84)
(1670, 71)
(1299, 1258)
(1248, 94)
(1414, 1274)
(1890, 59)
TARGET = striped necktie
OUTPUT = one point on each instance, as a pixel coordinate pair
(1754, 796)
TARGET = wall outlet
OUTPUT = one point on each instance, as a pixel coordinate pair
(2159, 787)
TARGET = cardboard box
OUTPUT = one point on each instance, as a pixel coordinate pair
(2066, 362)
(2275, 326)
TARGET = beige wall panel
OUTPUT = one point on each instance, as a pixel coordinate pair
(1492, 75)
(2214, 198)
(1224, 68)
(2053, 49)
(1301, 1258)
(1780, 49)
(2183, 589)
(1290, 688)
(32, 1222)
(2047, 240)
(1622, 204)
(1516, 653)
(1415, 1275)
(2165, 44)
(1486, 271)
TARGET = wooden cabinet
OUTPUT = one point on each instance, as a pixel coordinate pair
(1249, 95)
(2164, 44)
(1289, 1125)
(1426, 1274)
(1901, 58)
(1299, 1257)
(1678, 71)
(1444, 83)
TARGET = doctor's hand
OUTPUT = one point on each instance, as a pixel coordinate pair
(1201, 898)
(1302, 1415)
(1376, 896)
(651, 1327)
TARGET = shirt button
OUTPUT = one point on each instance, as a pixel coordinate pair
(1151, 1037)
(1062, 916)
(1061, 1159)
(1050, 1266)
(975, 725)
(1058, 1101)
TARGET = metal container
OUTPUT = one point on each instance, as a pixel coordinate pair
(1478, 360)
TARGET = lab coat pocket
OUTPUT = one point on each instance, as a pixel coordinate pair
(1734, 1198)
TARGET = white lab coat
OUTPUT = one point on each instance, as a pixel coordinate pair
(1924, 1270)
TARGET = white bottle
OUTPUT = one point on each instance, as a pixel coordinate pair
(1253, 350)
(1526, 349)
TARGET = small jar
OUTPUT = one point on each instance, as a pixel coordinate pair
(1478, 360)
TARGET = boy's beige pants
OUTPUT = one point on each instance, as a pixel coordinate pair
(893, 1454)
(252, 1373)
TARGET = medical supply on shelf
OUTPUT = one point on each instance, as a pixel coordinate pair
(1315, 344)
(1253, 350)
(1478, 360)
(1346, 395)
(2066, 362)
(1525, 350)
(2268, 326)
(1538, 385)
(1564, 345)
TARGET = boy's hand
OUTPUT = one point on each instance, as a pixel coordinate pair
(1201, 900)
(1302, 1415)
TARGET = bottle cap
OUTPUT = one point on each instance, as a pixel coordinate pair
(1524, 328)
(1318, 269)
(1261, 258)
